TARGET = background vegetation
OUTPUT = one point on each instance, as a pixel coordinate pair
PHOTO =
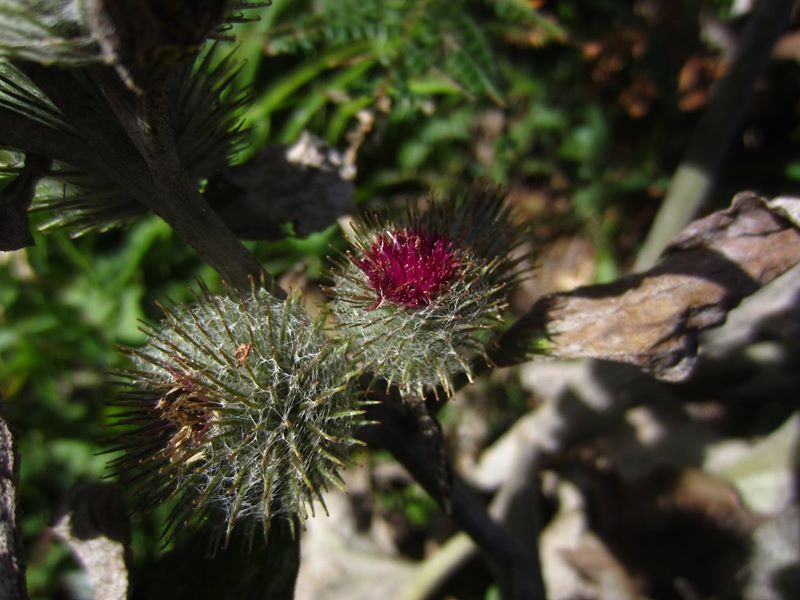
(582, 108)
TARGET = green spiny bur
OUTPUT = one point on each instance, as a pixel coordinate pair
(241, 410)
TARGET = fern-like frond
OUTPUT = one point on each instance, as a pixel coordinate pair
(204, 110)
(417, 39)
(237, 12)
(79, 202)
(19, 95)
(203, 107)
(522, 13)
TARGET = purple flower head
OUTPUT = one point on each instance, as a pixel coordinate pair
(418, 294)
(409, 266)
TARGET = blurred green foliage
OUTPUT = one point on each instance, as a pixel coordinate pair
(65, 305)
(456, 90)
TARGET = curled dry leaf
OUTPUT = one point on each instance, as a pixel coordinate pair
(15, 200)
(94, 525)
(652, 319)
(306, 184)
(338, 561)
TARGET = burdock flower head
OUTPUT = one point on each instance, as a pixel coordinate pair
(409, 267)
(240, 409)
(416, 296)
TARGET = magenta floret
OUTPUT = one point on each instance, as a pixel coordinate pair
(409, 266)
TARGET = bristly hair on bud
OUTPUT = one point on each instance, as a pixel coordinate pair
(417, 295)
(241, 410)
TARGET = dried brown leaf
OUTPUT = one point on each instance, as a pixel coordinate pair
(652, 319)
(305, 184)
(15, 200)
(95, 526)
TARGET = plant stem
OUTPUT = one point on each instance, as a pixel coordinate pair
(516, 569)
(177, 199)
(694, 179)
(140, 156)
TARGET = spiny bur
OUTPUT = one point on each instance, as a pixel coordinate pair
(417, 295)
(241, 410)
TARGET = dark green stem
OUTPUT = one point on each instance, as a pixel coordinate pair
(177, 199)
(516, 568)
(129, 140)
